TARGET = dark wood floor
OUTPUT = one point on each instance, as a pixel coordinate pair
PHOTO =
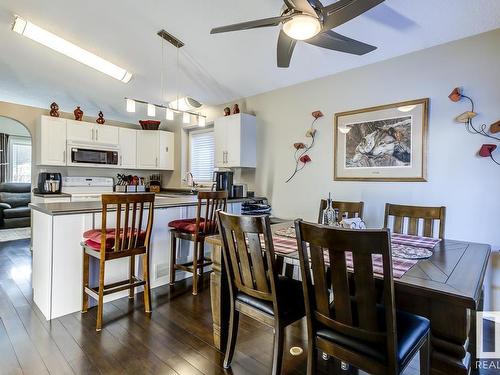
(175, 339)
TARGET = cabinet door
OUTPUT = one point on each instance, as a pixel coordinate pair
(220, 134)
(233, 144)
(147, 149)
(79, 131)
(166, 151)
(106, 134)
(128, 147)
(52, 141)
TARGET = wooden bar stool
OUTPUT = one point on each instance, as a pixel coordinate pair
(255, 288)
(353, 209)
(354, 326)
(127, 239)
(195, 230)
(415, 214)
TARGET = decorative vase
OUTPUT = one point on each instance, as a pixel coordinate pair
(100, 120)
(54, 109)
(78, 114)
(236, 109)
(227, 111)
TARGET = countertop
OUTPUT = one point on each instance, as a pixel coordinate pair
(162, 201)
(57, 195)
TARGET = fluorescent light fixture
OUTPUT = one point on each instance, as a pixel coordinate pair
(69, 49)
(151, 110)
(406, 108)
(302, 26)
(202, 121)
(169, 114)
(130, 105)
(184, 104)
(186, 118)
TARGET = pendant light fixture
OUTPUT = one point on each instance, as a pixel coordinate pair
(184, 105)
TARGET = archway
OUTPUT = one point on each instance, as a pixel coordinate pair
(15, 151)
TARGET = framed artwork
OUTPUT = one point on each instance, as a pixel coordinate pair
(384, 143)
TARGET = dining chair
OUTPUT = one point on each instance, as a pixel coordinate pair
(353, 209)
(126, 240)
(415, 214)
(195, 230)
(349, 323)
(255, 288)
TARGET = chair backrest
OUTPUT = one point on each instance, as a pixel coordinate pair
(209, 202)
(353, 313)
(415, 214)
(128, 233)
(248, 254)
(353, 209)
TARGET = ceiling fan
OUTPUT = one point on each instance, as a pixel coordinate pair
(310, 21)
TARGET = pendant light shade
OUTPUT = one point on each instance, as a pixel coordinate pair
(169, 114)
(151, 110)
(186, 118)
(202, 121)
(130, 105)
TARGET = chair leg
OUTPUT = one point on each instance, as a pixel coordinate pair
(100, 301)
(312, 357)
(425, 352)
(85, 296)
(279, 339)
(234, 318)
(131, 276)
(147, 286)
(173, 256)
(195, 268)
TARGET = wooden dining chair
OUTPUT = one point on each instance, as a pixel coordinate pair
(126, 239)
(353, 326)
(255, 288)
(195, 230)
(353, 209)
(414, 215)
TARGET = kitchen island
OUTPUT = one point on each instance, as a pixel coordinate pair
(57, 230)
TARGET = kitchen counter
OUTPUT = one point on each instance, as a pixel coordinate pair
(58, 195)
(163, 200)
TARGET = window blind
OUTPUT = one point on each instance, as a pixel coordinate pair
(202, 155)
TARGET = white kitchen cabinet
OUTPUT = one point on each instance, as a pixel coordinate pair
(51, 141)
(128, 147)
(235, 141)
(87, 132)
(155, 150)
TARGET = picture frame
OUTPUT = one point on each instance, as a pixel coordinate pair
(382, 143)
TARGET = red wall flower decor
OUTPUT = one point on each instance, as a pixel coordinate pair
(301, 149)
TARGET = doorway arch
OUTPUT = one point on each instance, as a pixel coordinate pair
(16, 151)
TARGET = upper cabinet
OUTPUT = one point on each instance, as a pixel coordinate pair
(86, 132)
(128, 147)
(51, 141)
(155, 150)
(166, 151)
(235, 141)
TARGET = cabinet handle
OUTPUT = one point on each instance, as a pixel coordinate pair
(97, 134)
(121, 160)
(92, 134)
(64, 157)
(156, 162)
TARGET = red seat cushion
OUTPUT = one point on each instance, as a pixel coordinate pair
(189, 225)
(93, 238)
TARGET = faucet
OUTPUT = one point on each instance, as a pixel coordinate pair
(190, 180)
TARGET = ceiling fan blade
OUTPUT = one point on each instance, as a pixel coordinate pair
(265, 22)
(334, 41)
(345, 10)
(285, 49)
(302, 5)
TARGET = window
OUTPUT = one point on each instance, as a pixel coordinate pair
(201, 154)
(19, 159)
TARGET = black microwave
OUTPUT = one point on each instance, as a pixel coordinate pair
(87, 155)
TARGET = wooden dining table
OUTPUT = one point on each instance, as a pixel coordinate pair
(445, 288)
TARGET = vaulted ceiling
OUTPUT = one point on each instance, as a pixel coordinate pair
(212, 68)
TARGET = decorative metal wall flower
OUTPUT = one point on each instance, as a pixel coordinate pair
(486, 149)
(301, 148)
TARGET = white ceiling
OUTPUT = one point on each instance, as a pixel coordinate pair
(213, 68)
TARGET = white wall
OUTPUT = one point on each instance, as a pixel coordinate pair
(457, 178)
(12, 127)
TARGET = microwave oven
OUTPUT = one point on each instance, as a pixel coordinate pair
(81, 154)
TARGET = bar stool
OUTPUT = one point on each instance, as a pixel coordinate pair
(195, 230)
(108, 244)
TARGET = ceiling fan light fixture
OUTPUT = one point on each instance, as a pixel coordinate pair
(302, 26)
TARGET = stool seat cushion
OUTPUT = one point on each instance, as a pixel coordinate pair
(189, 225)
(93, 238)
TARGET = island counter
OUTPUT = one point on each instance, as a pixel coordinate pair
(57, 230)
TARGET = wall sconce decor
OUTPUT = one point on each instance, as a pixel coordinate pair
(301, 149)
(486, 149)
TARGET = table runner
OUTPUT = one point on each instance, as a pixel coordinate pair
(288, 245)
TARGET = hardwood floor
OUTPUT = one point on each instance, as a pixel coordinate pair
(175, 339)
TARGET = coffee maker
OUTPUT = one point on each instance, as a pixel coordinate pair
(223, 180)
(49, 183)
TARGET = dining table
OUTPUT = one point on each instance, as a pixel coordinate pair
(446, 288)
